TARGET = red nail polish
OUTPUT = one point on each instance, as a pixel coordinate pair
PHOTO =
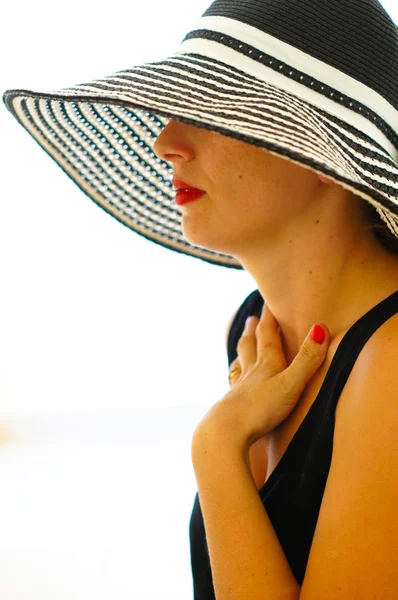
(318, 334)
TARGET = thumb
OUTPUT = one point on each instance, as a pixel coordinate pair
(311, 355)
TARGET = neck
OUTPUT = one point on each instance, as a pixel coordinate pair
(334, 287)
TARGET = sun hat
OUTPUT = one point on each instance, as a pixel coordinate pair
(311, 81)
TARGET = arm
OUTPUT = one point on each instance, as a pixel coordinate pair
(355, 543)
(247, 560)
(258, 453)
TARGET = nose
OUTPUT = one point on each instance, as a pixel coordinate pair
(173, 144)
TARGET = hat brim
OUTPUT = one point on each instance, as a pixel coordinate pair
(101, 134)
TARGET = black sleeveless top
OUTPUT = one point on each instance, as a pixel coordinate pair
(292, 495)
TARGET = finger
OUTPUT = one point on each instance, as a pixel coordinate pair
(247, 345)
(308, 360)
(269, 342)
(235, 364)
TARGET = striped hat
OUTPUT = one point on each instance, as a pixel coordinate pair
(314, 82)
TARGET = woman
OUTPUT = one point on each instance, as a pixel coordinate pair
(308, 244)
(283, 116)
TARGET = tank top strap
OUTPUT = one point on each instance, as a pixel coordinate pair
(351, 345)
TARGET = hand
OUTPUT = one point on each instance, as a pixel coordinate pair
(267, 390)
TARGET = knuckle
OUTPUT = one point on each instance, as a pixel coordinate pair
(309, 352)
(268, 346)
(284, 382)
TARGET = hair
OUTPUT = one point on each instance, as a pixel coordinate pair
(380, 228)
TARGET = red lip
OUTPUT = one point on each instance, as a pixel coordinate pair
(185, 192)
(188, 196)
(181, 185)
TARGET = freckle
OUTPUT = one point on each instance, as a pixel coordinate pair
(317, 222)
(310, 272)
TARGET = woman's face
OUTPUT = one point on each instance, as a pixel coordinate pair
(252, 196)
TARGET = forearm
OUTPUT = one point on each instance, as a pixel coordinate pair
(247, 560)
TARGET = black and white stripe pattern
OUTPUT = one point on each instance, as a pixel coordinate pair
(303, 76)
(101, 133)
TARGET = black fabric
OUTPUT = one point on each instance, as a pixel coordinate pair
(293, 493)
(357, 37)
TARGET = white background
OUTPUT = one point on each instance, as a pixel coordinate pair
(111, 348)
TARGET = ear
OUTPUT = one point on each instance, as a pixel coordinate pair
(324, 179)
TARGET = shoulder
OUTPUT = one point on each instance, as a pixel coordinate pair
(378, 359)
(355, 541)
(376, 365)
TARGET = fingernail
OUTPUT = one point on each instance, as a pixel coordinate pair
(318, 334)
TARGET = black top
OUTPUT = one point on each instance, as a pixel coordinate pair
(292, 495)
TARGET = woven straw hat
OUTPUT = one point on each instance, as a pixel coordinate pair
(314, 82)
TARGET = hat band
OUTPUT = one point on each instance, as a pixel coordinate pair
(291, 69)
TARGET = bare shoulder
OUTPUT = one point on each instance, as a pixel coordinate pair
(375, 370)
(389, 329)
(381, 350)
(355, 542)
